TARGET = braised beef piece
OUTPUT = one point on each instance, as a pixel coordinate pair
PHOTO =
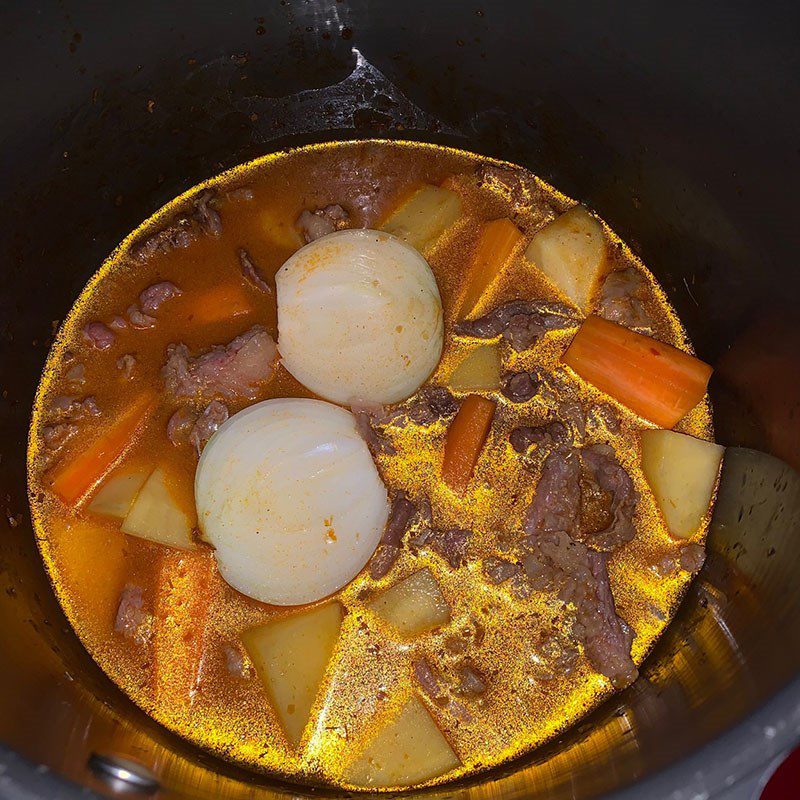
(133, 620)
(612, 479)
(126, 364)
(314, 225)
(99, 335)
(369, 417)
(547, 435)
(400, 516)
(76, 376)
(180, 425)
(557, 563)
(187, 426)
(56, 436)
(499, 570)
(451, 544)
(521, 322)
(233, 371)
(557, 502)
(430, 404)
(208, 423)
(138, 319)
(573, 414)
(251, 271)
(692, 557)
(118, 323)
(519, 387)
(520, 188)
(470, 681)
(605, 637)
(208, 219)
(71, 409)
(178, 235)
(428, 679)
(154, 296)
(621, 299)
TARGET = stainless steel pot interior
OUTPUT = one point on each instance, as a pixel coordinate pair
(677, 123)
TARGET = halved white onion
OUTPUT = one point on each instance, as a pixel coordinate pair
(289, 496)
(359, 317)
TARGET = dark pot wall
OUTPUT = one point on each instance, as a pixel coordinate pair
(677, 122)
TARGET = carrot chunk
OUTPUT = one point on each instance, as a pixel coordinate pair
(217, 304)
(657, 381)
(465, 439)
(77, 476)
(497, 241)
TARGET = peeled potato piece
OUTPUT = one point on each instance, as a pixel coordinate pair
(479, 370)
(571, 252)
(116, 495)
(409, 750)
(413, 605)
(159, 512)
(682, 472)
(290, 656)
(424, 217)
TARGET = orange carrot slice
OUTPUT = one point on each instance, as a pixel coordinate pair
(217, 304)
(498, 239)
(77, 476)
(465, 440)
(657, 381)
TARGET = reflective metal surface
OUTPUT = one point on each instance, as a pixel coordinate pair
(677, 124)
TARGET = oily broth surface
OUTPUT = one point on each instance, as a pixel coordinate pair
(369, 676)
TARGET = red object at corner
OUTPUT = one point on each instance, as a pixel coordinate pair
(785, 781)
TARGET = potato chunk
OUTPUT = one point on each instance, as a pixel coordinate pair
(162, 512)
(409, 750)
(681, 471)
(479, 370)
(571, 252)
(115, 497)
(413, 605)
(290, 656)
(424, 216)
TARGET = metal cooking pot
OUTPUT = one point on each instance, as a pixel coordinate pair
(677, 122)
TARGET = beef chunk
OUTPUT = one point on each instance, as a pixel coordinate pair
(450, 544)
(178, 235)
(429, 405)
(233, 371)
(251, 271)
(71, 409)
(180, 425)
(207, 218)
(692, 557)
(76, 376)
(133, 620)
(606, 638)
(470, 681)
(126, 364)
(612, 478)
(621, 299)
(138, 319)
(207, 424)
(400, 516)
(154, 296)
(557, 502)
(314, 225)
(99, 335)
(547, 435)
(521, 322)
(56, 436)
(369, 417)
(499, 570)
(428, 679)
(519, 387)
